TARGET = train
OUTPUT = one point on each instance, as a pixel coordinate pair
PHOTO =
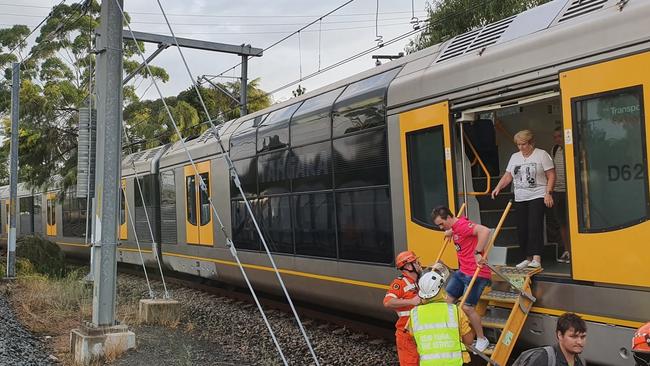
(343, 178)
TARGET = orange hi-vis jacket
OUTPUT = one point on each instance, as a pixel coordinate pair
(402, 288)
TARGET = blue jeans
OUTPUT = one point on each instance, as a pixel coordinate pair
(458, 284)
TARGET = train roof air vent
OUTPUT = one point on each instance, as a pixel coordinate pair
(476, 39)
(581, 7)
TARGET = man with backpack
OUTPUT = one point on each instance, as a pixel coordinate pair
(571, 333)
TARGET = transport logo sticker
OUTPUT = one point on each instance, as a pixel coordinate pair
(568, 136)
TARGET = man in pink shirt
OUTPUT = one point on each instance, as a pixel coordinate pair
(470, 240)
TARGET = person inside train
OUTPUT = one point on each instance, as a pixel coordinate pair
(641, 345)
(532, 173)
(435, 319)
(470, 240)
(559, 193)
(401, 297)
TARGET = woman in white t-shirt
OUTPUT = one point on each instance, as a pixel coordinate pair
(533, 175)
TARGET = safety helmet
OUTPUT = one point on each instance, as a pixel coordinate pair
(430, 284)
(405, 257)
(641, 339)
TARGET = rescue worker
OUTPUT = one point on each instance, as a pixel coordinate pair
(439, 329)
(641, 345)
(402, 296)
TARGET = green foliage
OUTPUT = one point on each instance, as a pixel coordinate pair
(45, 256)
(449, 18)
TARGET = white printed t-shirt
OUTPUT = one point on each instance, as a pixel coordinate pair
(528, 177)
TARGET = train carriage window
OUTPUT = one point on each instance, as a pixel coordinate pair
(361, 160)
(26, 205)
(275, 220)
(243, 140)
(122, 206)
(273, 133)
(147, 200)
(190, 191)
(313, 224)
(204, 212)
(425, 150)
(312, 122)
(611, 163)
(168, 231)
(311, 167)
(364, 225)
(273, 173)
(362, 105)
(74, 216)
(247, 171)
(38, 214)
(243, 231)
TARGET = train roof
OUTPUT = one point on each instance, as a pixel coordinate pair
(143, 162)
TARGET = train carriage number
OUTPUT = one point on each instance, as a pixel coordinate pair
(625, 172)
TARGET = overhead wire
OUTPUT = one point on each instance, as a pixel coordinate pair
(229, 243)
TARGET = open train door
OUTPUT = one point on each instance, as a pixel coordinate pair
(606, 136)
(425, 139)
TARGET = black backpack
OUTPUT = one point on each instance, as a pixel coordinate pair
(532, 355)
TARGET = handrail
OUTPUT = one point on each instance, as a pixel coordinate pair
(486, 251)
(447, 240)
(488, 185)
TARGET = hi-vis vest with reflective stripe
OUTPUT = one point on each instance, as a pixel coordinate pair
(436, 331)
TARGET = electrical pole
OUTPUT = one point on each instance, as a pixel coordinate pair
(244, 85)
(13, 174)
(108, 162)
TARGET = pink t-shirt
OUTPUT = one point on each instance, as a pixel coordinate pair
(465, 242)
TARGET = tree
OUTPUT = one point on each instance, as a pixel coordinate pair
(55, 79)
(448, 18)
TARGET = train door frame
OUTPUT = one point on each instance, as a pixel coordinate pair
(421, 235)
(124, 213)
(50, 208)
(200, 232)
(593, 249)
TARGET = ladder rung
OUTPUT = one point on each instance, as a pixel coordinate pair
(490, 349)
(494, 322)
(501, 296)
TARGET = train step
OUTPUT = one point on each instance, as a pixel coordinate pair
(494, 322)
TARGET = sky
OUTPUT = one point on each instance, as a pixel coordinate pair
(259, 23)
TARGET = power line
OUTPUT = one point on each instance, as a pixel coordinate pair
(268, 24)
(292, 32)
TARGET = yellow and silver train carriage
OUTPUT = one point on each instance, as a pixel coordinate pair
(344, 177)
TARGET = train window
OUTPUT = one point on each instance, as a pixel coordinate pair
(26, 215)
(425, 150)
(362, 105)
(611, 160)
(247, 171)
(364, 225)
(147, 200)
(361, 160)
(311, 167)
(272, 173)
(313, 224)
(275, 221)
(244, 234)
(242, 143)
(204, 213)
(168, 234)
(273, 133)
(74, 216)
(190, 197)
(312, 122)
(38, 214)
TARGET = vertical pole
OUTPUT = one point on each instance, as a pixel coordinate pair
(108, 158)
(244, 85)
(13, 173)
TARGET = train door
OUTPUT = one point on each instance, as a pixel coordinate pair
(427, 176)
(123, 212)
(606, 137)
(198, 218)
(50, 212)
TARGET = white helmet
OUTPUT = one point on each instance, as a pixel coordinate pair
(430, 284)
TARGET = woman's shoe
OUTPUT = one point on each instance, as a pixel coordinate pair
(534, 264)
(565, 257)
(523, 264)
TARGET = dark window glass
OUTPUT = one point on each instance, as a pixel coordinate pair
(272, 173)
(190, 196)
(146, 223)
(275, 221)
(611, 160)
(122, 206)
(48, 213)
(38, 214)
(74, 216)
(247, 171)
(168, 234)
(242, 142)
(364, 225)
(205, 202)
(312, 122)
(427, 173)
(146, 187)
(244, 234)
(361, 160)
(26, 216)
(274, 132)
(311, 167)
(313, 224)
(362, 105)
